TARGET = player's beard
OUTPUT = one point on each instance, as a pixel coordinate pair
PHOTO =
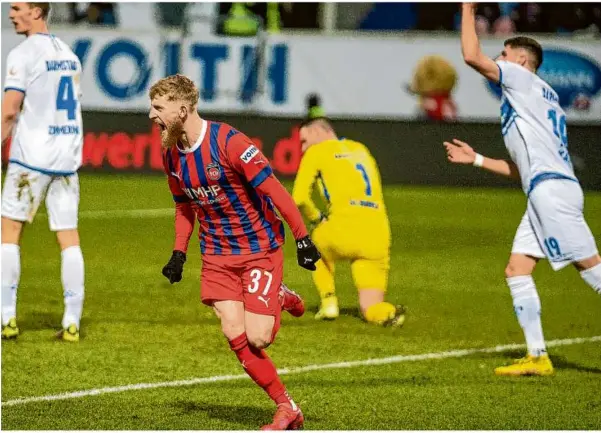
(171, 134)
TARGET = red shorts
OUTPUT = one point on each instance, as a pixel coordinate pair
(253, 279)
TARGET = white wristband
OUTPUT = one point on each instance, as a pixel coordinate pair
(478, 161)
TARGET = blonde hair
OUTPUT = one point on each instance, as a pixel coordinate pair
(176, 88)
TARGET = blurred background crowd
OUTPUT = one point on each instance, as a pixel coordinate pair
(499, 19)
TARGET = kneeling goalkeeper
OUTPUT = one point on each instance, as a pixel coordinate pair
(355, 226)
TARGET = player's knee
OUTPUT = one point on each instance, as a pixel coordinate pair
(585, 264)
(231, 329)
(516, 270)
(260, 340)
(11, 231)
(67, 238)
(510, 271)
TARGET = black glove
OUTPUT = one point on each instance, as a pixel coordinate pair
(174, 268)
(307, 253)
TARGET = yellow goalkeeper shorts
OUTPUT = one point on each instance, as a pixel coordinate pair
(362, 239)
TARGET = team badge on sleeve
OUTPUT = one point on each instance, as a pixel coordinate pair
(250, 152)
(213, 171)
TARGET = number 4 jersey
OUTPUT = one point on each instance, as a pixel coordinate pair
(533, 126)
(48, 135)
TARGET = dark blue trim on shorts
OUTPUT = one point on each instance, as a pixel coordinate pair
(6, 89)
(541, 177)
(42, 170)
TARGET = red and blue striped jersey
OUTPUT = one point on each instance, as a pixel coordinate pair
(218, 176)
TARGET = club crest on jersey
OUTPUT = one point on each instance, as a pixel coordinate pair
(213, 171)
(250, 152)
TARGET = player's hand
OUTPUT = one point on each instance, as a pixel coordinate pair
(459, 152)
(174, 268)
(306, 253)
(471, 6)
(322, 217)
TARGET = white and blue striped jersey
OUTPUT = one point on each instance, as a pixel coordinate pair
(533, 126)
(49, 132)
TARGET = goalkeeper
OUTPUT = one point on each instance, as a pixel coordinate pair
(355, 226)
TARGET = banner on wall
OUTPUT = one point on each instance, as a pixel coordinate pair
(363, 77)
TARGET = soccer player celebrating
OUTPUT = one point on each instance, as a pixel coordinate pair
(356, 226)
(218, 176)
(534, 130)
(42, 77)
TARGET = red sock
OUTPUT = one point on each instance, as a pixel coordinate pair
(260, 368)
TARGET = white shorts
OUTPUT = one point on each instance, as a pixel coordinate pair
(554, 226)
(23, 192)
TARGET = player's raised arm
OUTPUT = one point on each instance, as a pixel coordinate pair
(459, 152)
(250, 162)
(303, 188)
(470, 45)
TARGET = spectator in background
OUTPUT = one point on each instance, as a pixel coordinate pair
(436, 16)
(571, 17)
(531, 18)
(314, 108)
(171, 14)
(433, 82)
(271, 16)
(94, 13)
(505, 25)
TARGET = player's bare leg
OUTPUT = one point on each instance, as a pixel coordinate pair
(72, 276)
(248, 333)
(527, 308)
(377, 311)
(323, 277)
(590, 271)
(11, 273)
(291, 301)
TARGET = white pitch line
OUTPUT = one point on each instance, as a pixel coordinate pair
(128, 213)
(294, 370)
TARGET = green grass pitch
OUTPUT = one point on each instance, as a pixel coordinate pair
(449, 250)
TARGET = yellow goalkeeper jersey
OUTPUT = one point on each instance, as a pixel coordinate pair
(347, 176)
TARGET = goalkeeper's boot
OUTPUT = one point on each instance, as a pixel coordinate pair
(70, 333)
(286, 417)
(10, 330)
(329, 308)
(399, 318)
(291, 301)
(528, 366)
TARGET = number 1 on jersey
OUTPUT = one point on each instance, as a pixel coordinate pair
(65, 97)
(361, 168)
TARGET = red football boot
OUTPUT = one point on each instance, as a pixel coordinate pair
(291, 301)
(286, 418)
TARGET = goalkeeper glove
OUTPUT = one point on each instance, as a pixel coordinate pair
(174, 268)
(306, 253)
(317, 221)
(321, 218)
